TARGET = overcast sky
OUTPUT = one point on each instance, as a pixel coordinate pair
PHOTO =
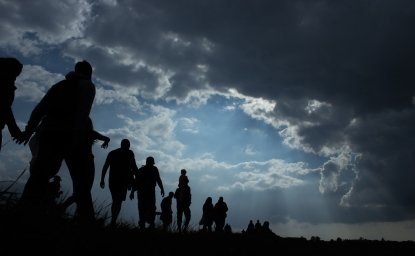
(301, 113)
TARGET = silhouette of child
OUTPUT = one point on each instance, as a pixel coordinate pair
(166, 215)
(183, 180)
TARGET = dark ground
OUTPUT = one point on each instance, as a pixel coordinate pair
(23, 233)
(61, 236)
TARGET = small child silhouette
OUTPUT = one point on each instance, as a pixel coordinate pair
(183, 180)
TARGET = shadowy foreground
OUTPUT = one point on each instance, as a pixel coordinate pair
(57, 234)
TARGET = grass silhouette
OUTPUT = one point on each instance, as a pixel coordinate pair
(58, 233)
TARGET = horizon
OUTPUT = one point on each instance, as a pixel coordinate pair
(102, 219)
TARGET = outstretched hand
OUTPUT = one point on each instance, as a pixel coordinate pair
(105, 144)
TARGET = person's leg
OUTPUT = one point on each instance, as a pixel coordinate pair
(187, 215)
(152, 208)
(80, 173)
(179, 216)
(141, 211)
(220, 224)
(169, 220)
(115, 210)
(152, 218)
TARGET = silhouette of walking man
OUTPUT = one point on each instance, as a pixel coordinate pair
(121, 163)
(183, 201)
(251, 227)
(221, 209)
(10, 69)
(146, 178)
(64, 112)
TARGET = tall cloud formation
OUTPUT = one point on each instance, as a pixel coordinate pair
(339, 74)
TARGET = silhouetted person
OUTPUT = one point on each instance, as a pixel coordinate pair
(145, 180)
(221, 209)
(265, 229)
(183, 201)
(10, 69)
(166, 215)
(251, 227)
(64, 113)
(121, 163)
(183, 179)
(207, 215)
(227, 229)
(257, 226)
(93, 137)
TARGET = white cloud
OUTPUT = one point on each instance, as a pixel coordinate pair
(189, 125)
(34, 81)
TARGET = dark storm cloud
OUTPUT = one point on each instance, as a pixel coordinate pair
(356, 56)
(387, 146)
(335, 51)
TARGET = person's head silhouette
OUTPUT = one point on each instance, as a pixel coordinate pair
(83, 67)
(150, 160)
(10, 68)
(125, 144)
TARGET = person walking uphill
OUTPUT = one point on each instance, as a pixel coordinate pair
(183, 201)
(207, 215)
(220, 211)
(145, 180)
(10, 69)
(122, 163)
(64, 113)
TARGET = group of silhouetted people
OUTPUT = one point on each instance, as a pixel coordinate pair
(258, 229)
(214, 214)
(60, 129)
